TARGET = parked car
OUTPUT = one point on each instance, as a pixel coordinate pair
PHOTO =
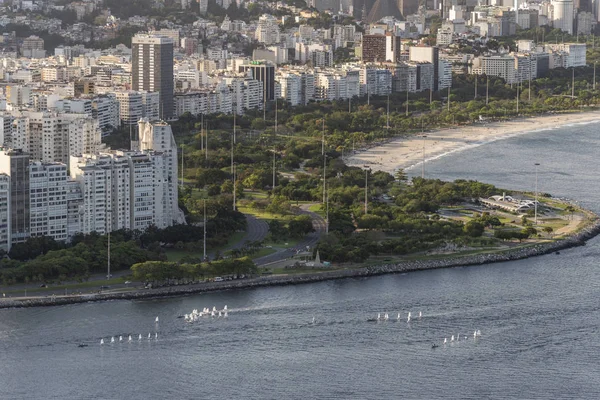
(218, 279)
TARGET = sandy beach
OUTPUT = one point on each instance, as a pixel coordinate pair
(410, 152)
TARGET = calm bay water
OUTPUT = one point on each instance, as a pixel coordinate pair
(539, 320)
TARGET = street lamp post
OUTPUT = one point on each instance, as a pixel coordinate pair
(204, 241)
(536, 193)
(387, 123)
(327, 214)
(423, 163)
(273, 170)
(324, 177)
(366, 188)
(182, 166)
(234, 165)
(109, 226)
(108, 258)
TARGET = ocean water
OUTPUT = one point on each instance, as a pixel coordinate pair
(539, 320)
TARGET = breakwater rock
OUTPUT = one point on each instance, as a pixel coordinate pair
(577, 239)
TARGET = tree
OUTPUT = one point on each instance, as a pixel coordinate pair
(300, 226)
(277, 230)
(548, 230)
(400, 175)
(474, 228)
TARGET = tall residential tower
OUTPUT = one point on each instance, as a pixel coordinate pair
(152, 69)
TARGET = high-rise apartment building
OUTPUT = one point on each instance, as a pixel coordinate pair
(152, 69)
(5, 212)
(264, 72)
(158, 136)
(15, 164)
(48, 200)
(427, 54)
(563, 15)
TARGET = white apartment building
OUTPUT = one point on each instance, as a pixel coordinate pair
(502, 66)
(121, 188)
(106, 110)
(95, 183)
(267, 31)
(375, 81)
(574, 54)
(144, 193)
(157, 136)
(74, 207)
(291, 88)
(151, 105)
(130, 107)
(525, 67)
(54, 74)
(444, 74)
(193, 102)
(52, 137)
(48, 200)
(327, 85)
(5, 238)
(134, 105)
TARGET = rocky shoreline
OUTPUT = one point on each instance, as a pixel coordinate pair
(577, 239)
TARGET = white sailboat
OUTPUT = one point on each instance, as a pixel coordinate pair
(101, 341)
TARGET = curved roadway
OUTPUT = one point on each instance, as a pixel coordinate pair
(309, 240)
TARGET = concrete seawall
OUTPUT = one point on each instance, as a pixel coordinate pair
(577, 239)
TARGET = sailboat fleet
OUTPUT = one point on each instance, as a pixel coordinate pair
(386, 317)
(195, 315)
(129, 338)
(383, 317)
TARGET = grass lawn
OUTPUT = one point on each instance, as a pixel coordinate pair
(255, 195)
(265, 215)
(554, 223)
(317, 209)
(262, 252)
(198, 193)
(175, 255)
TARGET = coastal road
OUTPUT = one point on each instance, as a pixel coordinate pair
(256, 231)
(311, 239)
